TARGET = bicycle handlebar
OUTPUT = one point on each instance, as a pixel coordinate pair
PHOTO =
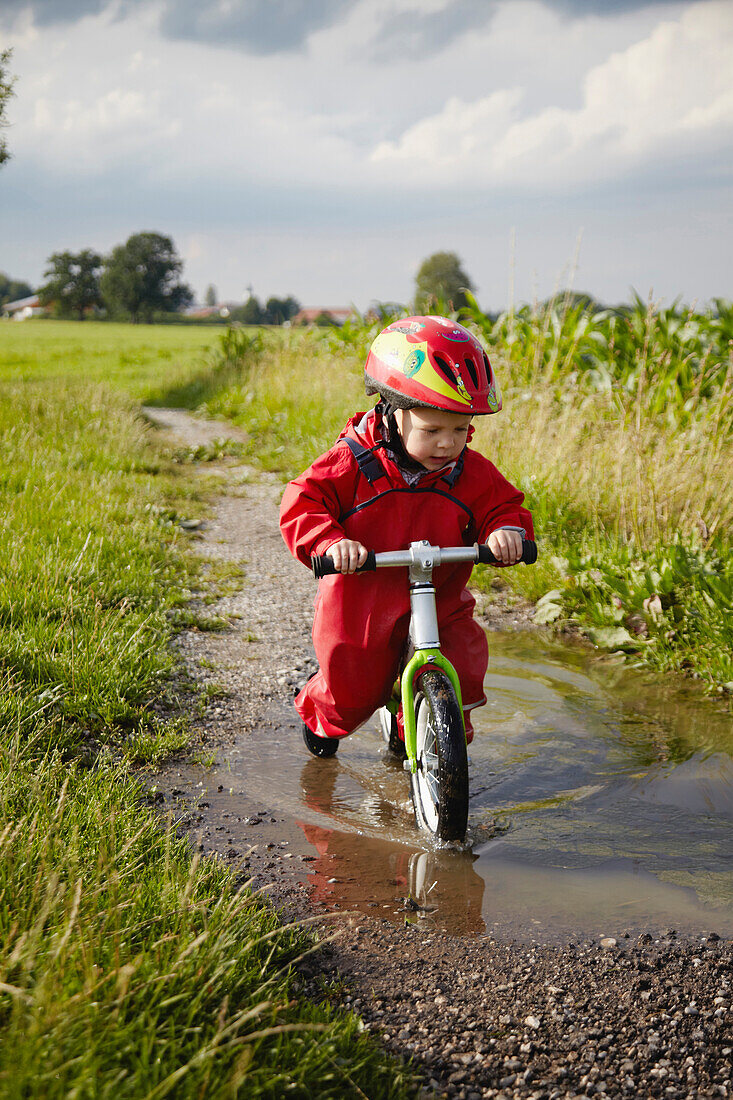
(529, 553)
(323, 565)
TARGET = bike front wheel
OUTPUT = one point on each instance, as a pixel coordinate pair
(440, 783)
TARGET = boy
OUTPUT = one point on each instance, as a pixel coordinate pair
(402, 471)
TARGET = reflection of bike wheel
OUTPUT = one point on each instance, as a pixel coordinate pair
(417, 876)
(440, 784)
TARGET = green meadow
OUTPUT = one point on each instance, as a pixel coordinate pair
(128, 968)
(127, 357)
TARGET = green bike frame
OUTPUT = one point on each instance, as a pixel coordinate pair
(417, 662)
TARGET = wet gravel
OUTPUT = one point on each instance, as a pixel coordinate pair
(631, 1016)
(486, 1019)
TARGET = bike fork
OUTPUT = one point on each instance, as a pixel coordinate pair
(425, 638)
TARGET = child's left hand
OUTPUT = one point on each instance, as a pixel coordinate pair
(347, 555)
(506, 546)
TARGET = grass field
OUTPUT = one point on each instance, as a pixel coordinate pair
(134, 358)
(127, 967)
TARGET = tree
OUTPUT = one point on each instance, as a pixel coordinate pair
(6, 91)
(211, 297)
(279, 310)
(441, 279)
(250, 313)
(73, 283)
(140, 278)
(13, 289)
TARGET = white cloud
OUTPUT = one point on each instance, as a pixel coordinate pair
(459, 135)
(667, 96)
(112, 93)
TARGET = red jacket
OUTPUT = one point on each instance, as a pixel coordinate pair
(361, 622)
(333, 500)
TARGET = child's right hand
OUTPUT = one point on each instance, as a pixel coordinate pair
(347, 555)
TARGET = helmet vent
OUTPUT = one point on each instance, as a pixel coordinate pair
(445, 368)
(472, 372)
(487, 366)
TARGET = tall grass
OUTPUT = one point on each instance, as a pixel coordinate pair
(619, 428)
(91, 568)
(127, 968)
(293, 397)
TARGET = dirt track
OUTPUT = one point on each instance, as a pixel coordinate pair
(639, 1017)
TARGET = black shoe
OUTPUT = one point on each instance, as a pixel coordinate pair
(319, 746)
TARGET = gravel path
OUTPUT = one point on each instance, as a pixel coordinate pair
(642, 1017)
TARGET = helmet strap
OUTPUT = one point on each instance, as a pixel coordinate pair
(394, 438)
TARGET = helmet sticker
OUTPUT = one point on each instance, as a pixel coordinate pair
(413, 362)
(391, 357)
(491, 397)
(461, 386)
(409, 328)
(458, 335)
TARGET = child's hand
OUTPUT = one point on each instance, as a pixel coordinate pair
(347, 555)
(506, 546)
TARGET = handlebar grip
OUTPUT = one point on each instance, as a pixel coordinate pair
(529, 553)
(323, 565)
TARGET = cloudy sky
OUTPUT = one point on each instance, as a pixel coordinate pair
(323, 148)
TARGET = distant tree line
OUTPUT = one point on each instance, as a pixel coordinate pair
(136, 281)
(276, 311)
(140, 281)
(13, 289)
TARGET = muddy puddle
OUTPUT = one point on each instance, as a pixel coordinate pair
(601, 805)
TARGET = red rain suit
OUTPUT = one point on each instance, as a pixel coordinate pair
(362, 621)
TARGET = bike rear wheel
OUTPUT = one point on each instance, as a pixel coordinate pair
(440, 784)
(390, 733)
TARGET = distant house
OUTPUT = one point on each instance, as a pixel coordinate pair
(203, 313)
(23, 308)
(311, 316)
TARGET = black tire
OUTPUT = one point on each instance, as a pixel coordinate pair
(440, 784)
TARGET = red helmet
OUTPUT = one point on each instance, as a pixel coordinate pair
(433, 362)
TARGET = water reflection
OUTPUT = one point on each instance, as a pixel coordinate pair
(601, 801)
(700, 785)
(368, 872)
(605, 766)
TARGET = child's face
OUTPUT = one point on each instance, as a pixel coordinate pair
(432, 437)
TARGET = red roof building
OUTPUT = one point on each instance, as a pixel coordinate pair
(310, 316)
